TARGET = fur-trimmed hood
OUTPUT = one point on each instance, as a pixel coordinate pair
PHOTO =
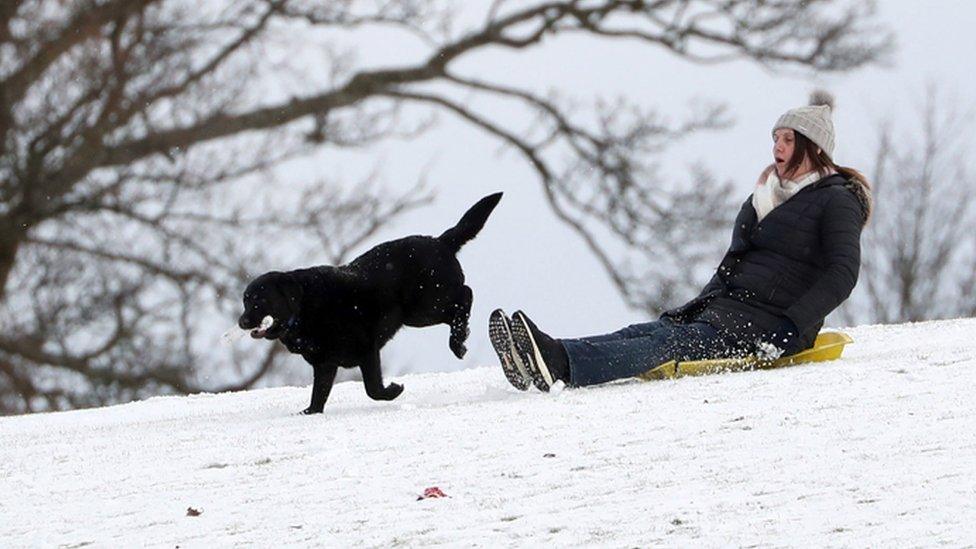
(863, 194)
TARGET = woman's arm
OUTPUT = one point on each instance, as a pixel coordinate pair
(840, 238)
(743, 222)
(739, 244)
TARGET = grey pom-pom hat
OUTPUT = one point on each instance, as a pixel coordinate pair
(813, 121)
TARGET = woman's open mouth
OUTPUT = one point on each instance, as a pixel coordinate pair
(780, 165)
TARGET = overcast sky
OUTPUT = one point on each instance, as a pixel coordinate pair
(526, 259)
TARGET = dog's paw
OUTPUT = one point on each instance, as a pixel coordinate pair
(389, 392)
(393, 391)
(458, 348)
(309, 411)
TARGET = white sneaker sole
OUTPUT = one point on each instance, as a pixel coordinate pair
(538, 370)
(500, 335)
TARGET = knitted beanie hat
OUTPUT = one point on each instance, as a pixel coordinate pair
(812, 121)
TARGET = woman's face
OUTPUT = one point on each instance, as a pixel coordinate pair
(783, 143)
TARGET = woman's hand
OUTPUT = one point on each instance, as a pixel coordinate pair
(786, 338)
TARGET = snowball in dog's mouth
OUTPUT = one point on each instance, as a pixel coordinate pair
(262, 330)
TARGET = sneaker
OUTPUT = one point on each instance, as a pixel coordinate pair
(500, 334)
(543, 356)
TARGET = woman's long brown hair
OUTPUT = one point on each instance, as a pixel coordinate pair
(804, 147)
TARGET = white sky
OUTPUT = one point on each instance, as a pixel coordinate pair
(526, 259)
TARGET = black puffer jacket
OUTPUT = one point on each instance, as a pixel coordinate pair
(799, 263)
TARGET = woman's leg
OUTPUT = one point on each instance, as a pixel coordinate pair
(643, 329)
(594, 362)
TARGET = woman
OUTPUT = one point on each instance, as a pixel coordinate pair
(794, 258)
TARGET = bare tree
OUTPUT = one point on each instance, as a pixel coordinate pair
(138, 139)
(919, 250)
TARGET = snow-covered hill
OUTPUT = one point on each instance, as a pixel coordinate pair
(876, 449)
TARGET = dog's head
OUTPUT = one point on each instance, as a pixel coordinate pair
(273, 294)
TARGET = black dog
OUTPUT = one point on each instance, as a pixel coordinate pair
(342, 316)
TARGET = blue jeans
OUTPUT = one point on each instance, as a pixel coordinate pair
(639, 348)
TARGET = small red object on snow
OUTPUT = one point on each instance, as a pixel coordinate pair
(432, 492)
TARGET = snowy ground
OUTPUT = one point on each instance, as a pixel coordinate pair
(877, 449)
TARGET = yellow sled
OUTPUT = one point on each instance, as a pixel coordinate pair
(828, 346)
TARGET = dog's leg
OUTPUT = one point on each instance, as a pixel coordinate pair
(459, 322)
(373, 380)
(321, 387)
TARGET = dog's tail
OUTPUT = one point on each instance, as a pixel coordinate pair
(471, 222)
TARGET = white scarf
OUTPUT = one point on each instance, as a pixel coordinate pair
(773, 191)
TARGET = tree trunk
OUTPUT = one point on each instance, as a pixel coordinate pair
(9, 243)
